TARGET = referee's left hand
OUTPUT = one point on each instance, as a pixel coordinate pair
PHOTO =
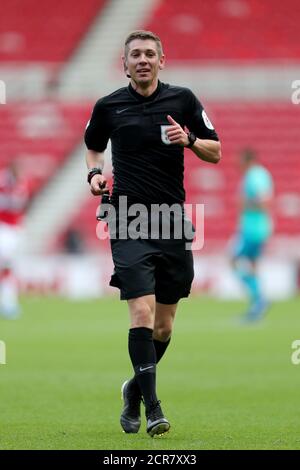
(176, 134)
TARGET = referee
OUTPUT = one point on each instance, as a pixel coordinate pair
(149, 124)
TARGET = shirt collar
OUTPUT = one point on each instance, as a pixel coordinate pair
(142, 98)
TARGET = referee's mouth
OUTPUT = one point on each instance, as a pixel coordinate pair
(143, 71)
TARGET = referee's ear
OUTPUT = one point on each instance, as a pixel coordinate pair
(162, 62)
(125, 68)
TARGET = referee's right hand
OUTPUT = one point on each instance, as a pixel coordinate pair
(98, 185)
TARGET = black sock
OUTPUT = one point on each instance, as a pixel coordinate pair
(143, 358)
(160, 348)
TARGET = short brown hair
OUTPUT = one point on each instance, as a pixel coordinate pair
(141, 34)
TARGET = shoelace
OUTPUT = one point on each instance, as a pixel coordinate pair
(155, 411)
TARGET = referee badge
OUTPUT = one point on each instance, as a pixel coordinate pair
(164, 135)
(207, 121)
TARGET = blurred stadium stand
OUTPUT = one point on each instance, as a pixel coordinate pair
(234, 30)
(31, 31)
(239, 56)
(40, 136)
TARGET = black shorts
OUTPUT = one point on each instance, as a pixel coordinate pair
(145, 266)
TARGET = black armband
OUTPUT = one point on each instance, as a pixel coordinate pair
(92, 172)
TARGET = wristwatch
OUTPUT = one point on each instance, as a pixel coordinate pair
(92, 172)
(192, 139)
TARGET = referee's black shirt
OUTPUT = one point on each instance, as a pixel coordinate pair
(146, 169)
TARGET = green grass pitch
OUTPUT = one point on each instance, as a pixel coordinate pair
(222, 385)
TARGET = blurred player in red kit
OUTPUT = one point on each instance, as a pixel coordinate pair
(14, 194)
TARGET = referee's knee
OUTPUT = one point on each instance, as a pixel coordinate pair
(141, 315)
(162, 333)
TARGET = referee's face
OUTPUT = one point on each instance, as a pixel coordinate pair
(143, 61)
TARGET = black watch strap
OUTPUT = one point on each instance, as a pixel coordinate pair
(92, 172)
(192, 139)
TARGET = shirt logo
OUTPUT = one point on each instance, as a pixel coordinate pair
(119, 111)
(145, 368)
(164, 135)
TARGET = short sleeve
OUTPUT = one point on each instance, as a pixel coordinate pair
(97, 131)
(197, 120)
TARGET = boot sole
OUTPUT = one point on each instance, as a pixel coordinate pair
(159, 429)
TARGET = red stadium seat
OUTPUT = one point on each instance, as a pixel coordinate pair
(228, 29)
(40, 136)
(48, 31)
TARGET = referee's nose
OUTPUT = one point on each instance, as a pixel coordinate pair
(143, 59)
